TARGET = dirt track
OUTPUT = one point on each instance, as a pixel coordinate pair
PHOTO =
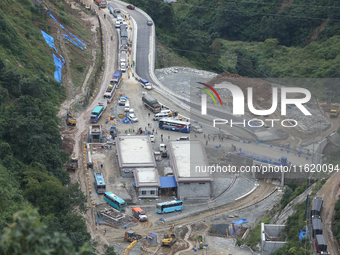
(330, 193)
(113, 236)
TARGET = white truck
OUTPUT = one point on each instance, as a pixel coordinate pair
(103, 102)
(110, 92)
(123, 61)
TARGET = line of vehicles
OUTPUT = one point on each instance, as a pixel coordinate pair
(319, 239)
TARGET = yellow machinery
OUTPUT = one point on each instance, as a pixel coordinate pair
(70, 120)
(169, 238)
(131, 236)
(175, 114)
(72, 165)
(334, 113)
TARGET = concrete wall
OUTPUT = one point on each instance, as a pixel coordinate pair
(194, 190)
(269, 247)
(146, 192)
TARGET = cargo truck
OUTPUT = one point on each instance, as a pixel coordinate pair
(103, 102)
(151, 103)
(101, 3)
(116, 78)
(123, 61)
(97, 113)
(110, 92)
(139, 214)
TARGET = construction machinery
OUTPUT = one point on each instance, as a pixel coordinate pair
(334, 113)
(70, 120)
(131, 236)
(169, 239)
(72, 165)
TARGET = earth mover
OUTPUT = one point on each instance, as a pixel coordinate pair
(70, 120)
(131, 236)
(72, 165)
(169, 239)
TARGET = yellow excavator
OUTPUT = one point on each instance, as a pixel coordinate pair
(169, 239)
(70, 120)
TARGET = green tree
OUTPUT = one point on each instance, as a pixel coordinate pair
(27, 235)
(109, 250)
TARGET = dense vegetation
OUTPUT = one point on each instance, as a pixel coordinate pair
(336, 221)
(257, 38)
(31, 160)
(295, 223)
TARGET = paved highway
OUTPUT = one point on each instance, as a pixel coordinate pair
(144, 37)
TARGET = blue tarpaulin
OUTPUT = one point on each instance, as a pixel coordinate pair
(303, 234)
(76, 44)
(168, 182)
(49, 40)
(58, 65)
(238, 222)
(52, 16)
(76, 38)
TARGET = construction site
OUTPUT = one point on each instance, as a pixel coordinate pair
(150, 167)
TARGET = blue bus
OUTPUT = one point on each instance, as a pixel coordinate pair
(174, 125)
(171, 206)
(115, 201)
(99, 183)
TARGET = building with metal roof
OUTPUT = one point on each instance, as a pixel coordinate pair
(134, 152)
(189, 163)
(146, 182)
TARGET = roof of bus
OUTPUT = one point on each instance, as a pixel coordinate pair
(97, 110)
(169, 202)
(115, 197)
(99, 178)
(172, 120)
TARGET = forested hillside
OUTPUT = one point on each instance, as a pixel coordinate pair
(266, 38)
(31, 160)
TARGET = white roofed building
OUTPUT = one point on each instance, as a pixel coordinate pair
(185, 158)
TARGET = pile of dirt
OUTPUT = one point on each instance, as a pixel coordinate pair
(180, 232)
(261, 88)
(68, 143)
(197, 230)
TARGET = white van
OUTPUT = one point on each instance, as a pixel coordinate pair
(166, 111)
(120, 19)
(160, 115)
(127, 107)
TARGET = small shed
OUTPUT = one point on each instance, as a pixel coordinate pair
(152, 239)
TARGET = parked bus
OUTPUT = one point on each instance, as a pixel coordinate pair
(99, 183)
(174, 125)
(115, 201)
(171, 206)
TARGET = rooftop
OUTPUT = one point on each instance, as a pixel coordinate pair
(185, 156)
(146, 177)
(135, 151)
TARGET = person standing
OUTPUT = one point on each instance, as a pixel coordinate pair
(206, 142)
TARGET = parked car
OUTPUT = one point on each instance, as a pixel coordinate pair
(131, 7)
(197, 129)
(183, 138)
(152, 138)
(132, 117)
(149, 22)
(122, 101)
